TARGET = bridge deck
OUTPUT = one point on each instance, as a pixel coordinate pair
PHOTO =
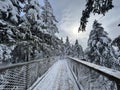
(58, 77)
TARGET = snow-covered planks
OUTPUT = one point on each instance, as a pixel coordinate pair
(59, 77)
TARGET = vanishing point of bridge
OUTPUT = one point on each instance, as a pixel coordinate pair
(56, 73)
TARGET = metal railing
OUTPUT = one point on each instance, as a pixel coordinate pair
(21, 76)
(90, 76)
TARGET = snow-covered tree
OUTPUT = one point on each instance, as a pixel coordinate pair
(10, 11)
(32, 15)
(116, 45)
(61, 40)
(116, 42)
(32, 11)
(68, 49)
(15, 31)
(99, 47)
(9, 20)
(94, 6)
(48, 18)
(35, 19)
(100, 51)
(78, 50)
(22, 32)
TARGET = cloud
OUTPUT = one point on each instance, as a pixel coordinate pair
(69, 18)
(68, 13)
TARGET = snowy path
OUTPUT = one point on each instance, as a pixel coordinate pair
(58, 77)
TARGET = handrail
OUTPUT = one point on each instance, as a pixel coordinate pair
(111, 74)
(107, 71)
(19, 64)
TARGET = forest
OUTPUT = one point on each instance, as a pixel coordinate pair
(28, 32)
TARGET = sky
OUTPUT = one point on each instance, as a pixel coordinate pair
(69, 12)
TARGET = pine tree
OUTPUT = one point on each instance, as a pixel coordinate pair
(99, 47)
(116, 44)
(100, 51)
(23, 37)
(61, 40)
(32, 11)
(78, 51)
(9, 20)
(10, 11)
(49, 19)
(94, 6)
(68, 49)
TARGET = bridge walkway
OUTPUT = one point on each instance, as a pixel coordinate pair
(58, 77)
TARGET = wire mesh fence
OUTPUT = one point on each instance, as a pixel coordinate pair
(94, 77)
(21, 76)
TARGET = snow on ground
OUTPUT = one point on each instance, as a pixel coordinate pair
(58, 77)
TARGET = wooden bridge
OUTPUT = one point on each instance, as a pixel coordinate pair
(56, 73)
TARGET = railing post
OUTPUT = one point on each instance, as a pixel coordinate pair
(118, 85)
(26, 86)
(38, 69)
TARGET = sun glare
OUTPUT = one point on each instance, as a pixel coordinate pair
(75, 31)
